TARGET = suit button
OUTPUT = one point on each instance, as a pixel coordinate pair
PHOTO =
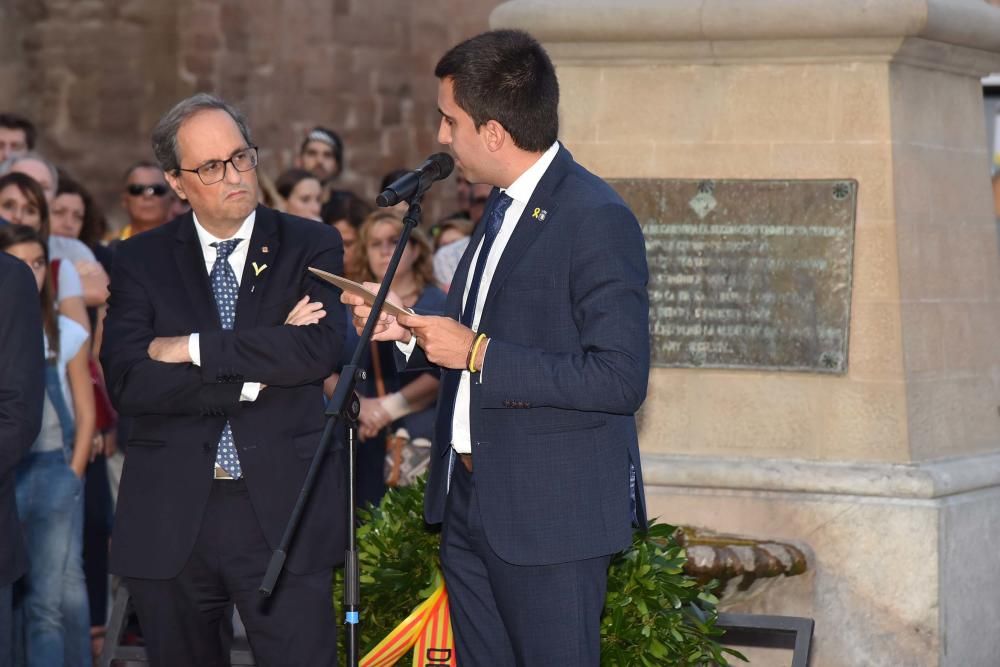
(506, 404)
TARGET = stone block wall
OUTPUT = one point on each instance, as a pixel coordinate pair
(96, 75)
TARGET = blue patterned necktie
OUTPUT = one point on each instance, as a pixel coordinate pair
(226, 288)
(494, 220)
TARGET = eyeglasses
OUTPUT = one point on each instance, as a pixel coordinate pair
(138, 189)
(214, 171)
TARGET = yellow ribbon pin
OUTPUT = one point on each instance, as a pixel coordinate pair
(536, 213)
(257, 270)
(539, 214)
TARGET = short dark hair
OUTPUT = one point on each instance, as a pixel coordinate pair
(506, 76)
(13, 121)
(95, 225)
(345, 205)
(331, 138)
(165, 132)
(289, 178)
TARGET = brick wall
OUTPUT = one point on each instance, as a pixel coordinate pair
(96, 75)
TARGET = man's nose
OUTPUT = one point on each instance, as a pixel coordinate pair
(233, 175)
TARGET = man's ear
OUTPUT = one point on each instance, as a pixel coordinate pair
(494, 135)
(176, 186)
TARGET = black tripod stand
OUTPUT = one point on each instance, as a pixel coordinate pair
(345, 405)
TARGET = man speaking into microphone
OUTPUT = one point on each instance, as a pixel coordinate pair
(535, 473)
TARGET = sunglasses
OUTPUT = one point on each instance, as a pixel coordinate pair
(137, 189)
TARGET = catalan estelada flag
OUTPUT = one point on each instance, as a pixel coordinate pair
(427, 631)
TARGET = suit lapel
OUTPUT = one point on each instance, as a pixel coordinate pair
(257, 272)
(537, 215)
(191, 265)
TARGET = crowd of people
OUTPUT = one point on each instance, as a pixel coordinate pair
(66, 486)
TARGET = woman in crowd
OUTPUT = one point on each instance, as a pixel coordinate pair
(52, 600)
(393, 403)
(346, 211)
(300, 193)
(22, 202)
(451, 238)
(75, 215)
(451, 229)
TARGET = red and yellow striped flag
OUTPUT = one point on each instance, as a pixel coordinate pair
(427, 631)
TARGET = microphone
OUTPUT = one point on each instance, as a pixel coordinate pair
(418, 181)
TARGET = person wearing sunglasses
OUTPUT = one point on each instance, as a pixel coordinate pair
(147, 198)
(226, 402)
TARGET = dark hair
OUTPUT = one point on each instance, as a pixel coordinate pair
(30, 188)
(332, 139)
(506, 76)
(392, 176)
(95, 226)
(13, 121)
(345, 205)
(12, 235)
(165, 132)
(289, 178)
(140, 164)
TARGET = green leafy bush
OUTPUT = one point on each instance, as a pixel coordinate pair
(654, 614)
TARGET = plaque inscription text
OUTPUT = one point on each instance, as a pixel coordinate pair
(747, 274)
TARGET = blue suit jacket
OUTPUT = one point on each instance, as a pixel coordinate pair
(552, 413)
(159, 287)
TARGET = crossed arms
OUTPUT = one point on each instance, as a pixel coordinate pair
(147, 374)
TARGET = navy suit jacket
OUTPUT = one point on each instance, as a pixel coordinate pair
(159, 287)
(22, 390)
(553, 429)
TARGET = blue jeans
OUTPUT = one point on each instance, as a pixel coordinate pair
(53, 600)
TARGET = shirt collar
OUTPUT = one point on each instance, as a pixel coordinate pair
(522, 188)
(206, 239)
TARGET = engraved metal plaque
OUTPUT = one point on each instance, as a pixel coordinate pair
(747, 274)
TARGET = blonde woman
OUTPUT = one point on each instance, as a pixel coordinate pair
(390, 399)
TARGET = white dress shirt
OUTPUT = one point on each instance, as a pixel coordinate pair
(237, 260)
(520, 192)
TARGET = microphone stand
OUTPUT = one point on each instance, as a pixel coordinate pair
(340, 406)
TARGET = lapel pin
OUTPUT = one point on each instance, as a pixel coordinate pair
(539, 214)
(264, 249)
(257, 270)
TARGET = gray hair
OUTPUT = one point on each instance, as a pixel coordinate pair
(165, 132)
(7, 165)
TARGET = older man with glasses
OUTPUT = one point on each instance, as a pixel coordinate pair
(216, 344)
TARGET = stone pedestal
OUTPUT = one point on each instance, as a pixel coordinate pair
(888, 475)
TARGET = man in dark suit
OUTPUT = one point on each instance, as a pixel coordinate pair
(227, 406)
(535, 472)
(22, 383)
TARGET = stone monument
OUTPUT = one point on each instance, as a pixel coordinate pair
(885, 465)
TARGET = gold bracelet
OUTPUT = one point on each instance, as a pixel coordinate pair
(474, 351)
(468, 360)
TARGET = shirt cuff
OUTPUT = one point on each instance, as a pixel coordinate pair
(482, 374)
(250, 391)
(407, 348)
(194, 349)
